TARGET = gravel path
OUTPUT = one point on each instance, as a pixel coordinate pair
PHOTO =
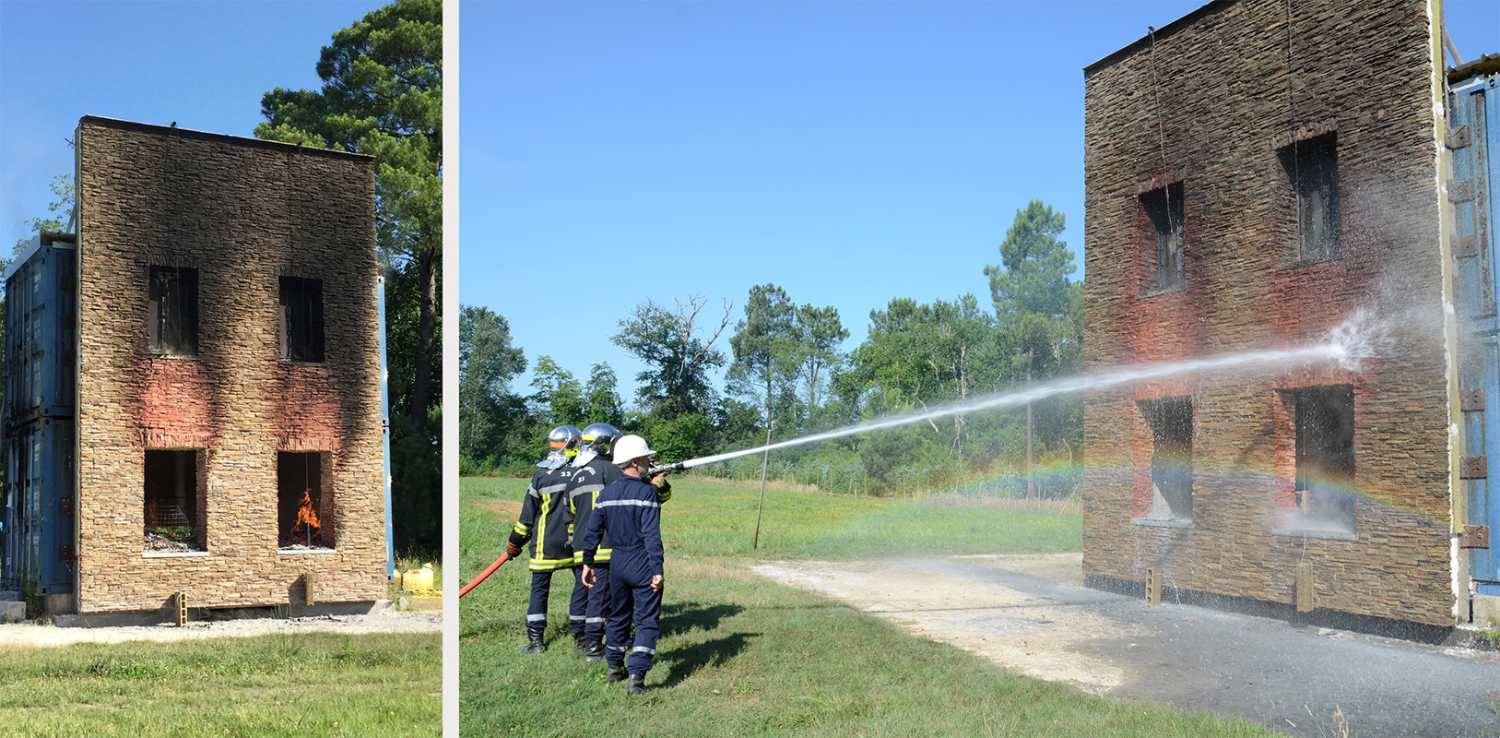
(28, 635)
(1032, 615)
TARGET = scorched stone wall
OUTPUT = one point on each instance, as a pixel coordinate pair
(243, 213)
(1227, 97)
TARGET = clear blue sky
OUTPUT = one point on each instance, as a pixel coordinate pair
(850, 152)
(202, 64)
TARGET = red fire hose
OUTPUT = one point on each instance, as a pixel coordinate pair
(491, 569)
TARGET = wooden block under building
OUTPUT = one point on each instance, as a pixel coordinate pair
(309, 586)
(180, 600)
(1304, 587)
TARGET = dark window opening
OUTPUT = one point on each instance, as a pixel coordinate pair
(174, 501)
(174, 311)
(304, 501)
(1312, 168)
(1164, 209)
(1324, 419)
(1171, 422)
(302, 319)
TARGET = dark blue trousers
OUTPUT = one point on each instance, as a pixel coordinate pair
(536, 610)
(578, 605)
(592, 603)
(632, 603)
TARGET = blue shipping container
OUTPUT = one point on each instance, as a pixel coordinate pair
(1474, 139)
(40, 332)
(37, 519)
(39, 550)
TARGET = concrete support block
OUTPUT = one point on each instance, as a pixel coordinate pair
(12, 611)
(1486, 611)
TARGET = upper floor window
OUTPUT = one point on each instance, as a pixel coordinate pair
(1312, 169)
(173, 318)
(302, 319)
(1164, 210)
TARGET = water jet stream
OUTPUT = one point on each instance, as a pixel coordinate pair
(1346, 344)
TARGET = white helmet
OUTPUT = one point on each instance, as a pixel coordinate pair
(630, 448)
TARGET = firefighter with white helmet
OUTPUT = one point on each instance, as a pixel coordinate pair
(629, 511)
(594, 472)
(547, 523)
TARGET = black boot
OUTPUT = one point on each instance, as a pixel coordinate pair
(615, 673)
(636, 685)
(593, 651)
(534, 642)
(581, 643)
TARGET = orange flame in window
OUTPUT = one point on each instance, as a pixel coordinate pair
(306, 516)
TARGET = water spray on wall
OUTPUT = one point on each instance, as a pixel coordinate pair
(1362, 336)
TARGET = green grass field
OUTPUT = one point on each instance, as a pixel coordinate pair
(741, 655)
(286, 685)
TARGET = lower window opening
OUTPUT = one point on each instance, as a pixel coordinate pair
(1171, 421)
(174, 502)
(1324, 424)
(304, 502)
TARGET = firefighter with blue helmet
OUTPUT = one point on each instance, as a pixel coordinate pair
(629, 512)
(547, 523)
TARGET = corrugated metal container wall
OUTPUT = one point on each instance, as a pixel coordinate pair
(40, 340)
(39, 499)
(36, 540)
(1474, 139)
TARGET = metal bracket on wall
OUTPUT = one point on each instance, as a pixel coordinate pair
(1459, 137)
(1473, 467)
(1460, 190)
(1153, 588)
(1474, 536)
(1465, 247)
(1471, 400)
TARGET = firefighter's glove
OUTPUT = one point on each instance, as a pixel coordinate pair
(512, 549)
(663, 487)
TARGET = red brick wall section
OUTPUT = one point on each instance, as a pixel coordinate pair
(1359, 68)
(243, 214)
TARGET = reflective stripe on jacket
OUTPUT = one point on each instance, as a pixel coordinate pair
(546, 520)
(583, 491)
(630, 512)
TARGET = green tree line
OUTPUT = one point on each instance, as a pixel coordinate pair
(786, 374)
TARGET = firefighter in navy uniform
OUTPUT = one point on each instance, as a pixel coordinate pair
(630, 512)
(594, 471)
(547, 523)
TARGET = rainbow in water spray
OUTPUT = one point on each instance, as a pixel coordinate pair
(1360, 337)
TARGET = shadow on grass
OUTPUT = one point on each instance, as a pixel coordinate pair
(685, 617)
(689, 659)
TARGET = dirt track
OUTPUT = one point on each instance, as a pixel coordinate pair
(1013, 628)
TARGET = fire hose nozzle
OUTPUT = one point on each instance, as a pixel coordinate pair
(665, 468)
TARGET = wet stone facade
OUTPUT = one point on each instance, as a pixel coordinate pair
(243, 214)
(1236, 119)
